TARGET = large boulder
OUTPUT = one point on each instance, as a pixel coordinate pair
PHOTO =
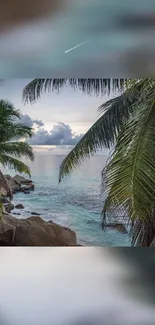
(34, 231)
(5, 189)
(7, 230)
(6, 237)
(13, 184)
(22, 180)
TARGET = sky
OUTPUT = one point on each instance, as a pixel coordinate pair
(57, 118)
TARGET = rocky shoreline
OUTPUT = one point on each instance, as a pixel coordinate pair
(30, 231)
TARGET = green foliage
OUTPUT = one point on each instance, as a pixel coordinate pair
(127, 124)
(128, 181)
(36, 87)
(129, 177)
(11, 131)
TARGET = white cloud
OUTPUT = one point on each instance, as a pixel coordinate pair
(60, 134)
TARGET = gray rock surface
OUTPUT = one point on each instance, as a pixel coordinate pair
(22, 180)
(19, 206)
(8, 207)
(13, 184)
(34, 231)
(5, 189)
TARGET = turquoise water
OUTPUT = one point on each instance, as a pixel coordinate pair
(75, 203)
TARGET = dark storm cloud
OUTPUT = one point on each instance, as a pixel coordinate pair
(61, 134)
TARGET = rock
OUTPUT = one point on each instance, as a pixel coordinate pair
(27, 188)
(17, 214)
(3, 199)
(7, 230)
(118, 226)
(5, 189)
(30, 187)
(8, 207)
(153, 242)
(6, 238)
(26, 192)
(34, 231)
(35, 214)
(19, 206)
(14, 185)
(22, 180)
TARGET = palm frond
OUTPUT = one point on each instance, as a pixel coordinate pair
(123, 104)
(10, 125)
(16, 131)
(36, 87)
(13, 163)
(20, 130)
(17, 149)
(8, 113)
(129, 178)
(103, 133)
(11, 129)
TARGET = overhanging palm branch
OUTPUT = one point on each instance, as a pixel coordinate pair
(14, 163)
(104, 132)
(15, 131)
(18, 149)
(128, 122)
(129, 178)
(36, 87)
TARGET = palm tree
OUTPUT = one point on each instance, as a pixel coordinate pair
(11, 132)
(127, 124)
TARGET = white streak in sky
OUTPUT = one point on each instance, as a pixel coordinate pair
(76, 46)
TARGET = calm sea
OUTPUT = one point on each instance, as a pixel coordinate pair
(75, 203)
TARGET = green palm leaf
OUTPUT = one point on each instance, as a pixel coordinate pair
(36, 87)
(18, 149)
(129, 178)
(13, 163)
(10, 129)
(7, 111)
(104, 132)
(128, 123)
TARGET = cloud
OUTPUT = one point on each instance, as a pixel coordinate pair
(27, 120)
(61, 134)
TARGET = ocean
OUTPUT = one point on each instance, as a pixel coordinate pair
(75, 203)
